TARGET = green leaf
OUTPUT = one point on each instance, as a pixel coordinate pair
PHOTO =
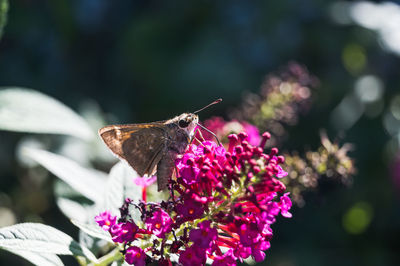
(93, 230)
(63, 190)
(88, 182)
(120, 186)
(72, 204)
(26, 110)
(3, 15)
(40, 238)
(43, 259)
(73, 209)
(120, 263)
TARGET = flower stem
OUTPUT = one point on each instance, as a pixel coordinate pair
(107, 259)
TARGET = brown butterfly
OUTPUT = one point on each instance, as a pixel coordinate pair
(151, 148)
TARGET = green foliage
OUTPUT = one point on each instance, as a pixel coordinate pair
(81, 192)
(3, 15)
(119, 187)
(93, 230)
(40, 238)
(26, 110)
(42, 259)
(88, 182)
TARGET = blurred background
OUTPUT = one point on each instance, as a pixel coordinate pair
(140, 61)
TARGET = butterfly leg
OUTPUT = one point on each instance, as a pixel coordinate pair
(212, 133)
(197, 130)
(201, 135)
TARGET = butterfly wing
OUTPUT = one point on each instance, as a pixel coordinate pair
(141, 145)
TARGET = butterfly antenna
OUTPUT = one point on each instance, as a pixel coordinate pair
(208, 105)
(209, 131)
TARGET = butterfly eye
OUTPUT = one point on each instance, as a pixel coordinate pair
(183, 123)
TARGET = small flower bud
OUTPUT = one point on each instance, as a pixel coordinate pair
(233, 139)
(273, 152)
(265, 137)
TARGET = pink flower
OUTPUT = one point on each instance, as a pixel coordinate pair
(268, 216)
(249, 234)
(144, 182)
(192, 256)
(227, 259)
(105, 220)
(190, 210)
(241, 252)
(250, 215)
(189, 173)
(257, 250)
(135, 255)
(234, 187)
(253, 135)
(124, 232)
(223, 128)
(281, 173)
(285, 204)
(160, 223)
(204, 236)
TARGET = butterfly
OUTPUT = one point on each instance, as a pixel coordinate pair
(152, 148)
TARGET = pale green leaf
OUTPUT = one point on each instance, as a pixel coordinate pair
(93, 230)
(26, 110)
(72, 204)
(43, 259)
(120, 186)
(63, 190)
(88, 182)
(35, 237)
(94, 244)
(120, 263)
(73, 209)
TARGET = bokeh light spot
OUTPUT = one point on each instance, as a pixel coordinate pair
(354, 58)
(383, 18)
(395, 107)
(391, 123)
(347, 113)
(369, 88)
(340, 12)
(357, 218)
(7, 217)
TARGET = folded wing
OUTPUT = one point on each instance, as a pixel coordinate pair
(141, 145)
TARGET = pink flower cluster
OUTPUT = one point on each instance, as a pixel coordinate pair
(223, 128)
(222, 205)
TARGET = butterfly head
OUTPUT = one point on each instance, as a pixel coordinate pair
(188, 122)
